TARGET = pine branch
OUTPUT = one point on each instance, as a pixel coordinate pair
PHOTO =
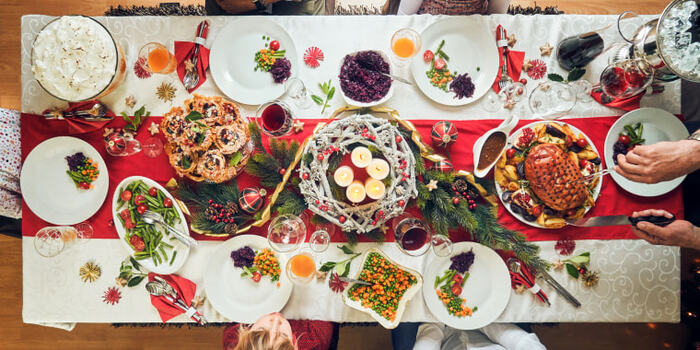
(256, 137)
(376, 235)
(289, 202)
(351, 237)
(265, 167)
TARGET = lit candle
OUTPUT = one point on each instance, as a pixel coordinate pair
(355, 192)
(378, 169)
(343, 176)
(375, 189)
(361, 156)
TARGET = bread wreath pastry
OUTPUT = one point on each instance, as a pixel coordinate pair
(173, 124)
(210, 107)
(183, 160)
(231, 138)
(198, 137)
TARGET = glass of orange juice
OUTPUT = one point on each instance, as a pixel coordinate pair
(301, 268)
(155, 58)
(405, 43)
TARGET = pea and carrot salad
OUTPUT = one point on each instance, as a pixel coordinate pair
(448, 287)
(82, 170)
(266, 57)
(439, 75)
(146, 241)
(389, 284)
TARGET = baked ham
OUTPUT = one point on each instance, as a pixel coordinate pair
(554, 177)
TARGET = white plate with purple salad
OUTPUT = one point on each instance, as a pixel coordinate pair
(242, 64)
(361, 81)
(469, 289)
(459, 61)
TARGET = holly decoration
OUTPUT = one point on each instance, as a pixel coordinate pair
(443, 166)
(251, 200)
(443, 134)
(577, 267)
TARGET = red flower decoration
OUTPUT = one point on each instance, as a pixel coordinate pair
(138, 69)
(565, 246)
(112, 296)
(336, 284)
(313, 56)
(538, 69)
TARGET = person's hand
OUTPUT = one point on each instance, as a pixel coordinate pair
(659, 162)
(678, 233)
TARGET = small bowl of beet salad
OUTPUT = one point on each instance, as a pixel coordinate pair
(360, 83)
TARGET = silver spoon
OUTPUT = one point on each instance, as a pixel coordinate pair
(514, 265)
(98, 112)
(158, 289)
(191, 78)
(170, 290)
(151, 218)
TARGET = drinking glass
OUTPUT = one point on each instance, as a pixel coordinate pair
(301, 268)
(626, 78)
(321, 237)
(414, 237)
(296, 90)
(152, 147)
(155, 58)
(52, 240)
(275, 118)
(551, 100)
(122, 143)
(286, 233)
(405, 43)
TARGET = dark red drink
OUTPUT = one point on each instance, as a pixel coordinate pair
(579, 50)
(412, 236)
(276, 120)
(414, 239)
(613, 81)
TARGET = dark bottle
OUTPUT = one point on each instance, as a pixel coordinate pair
(579, 50)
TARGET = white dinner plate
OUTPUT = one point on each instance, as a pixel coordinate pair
(183, 251)
(471, 48)
(659, 126)
(511, 142)
(240, 299)
(232, 60)
(488, 287)
(50, 193)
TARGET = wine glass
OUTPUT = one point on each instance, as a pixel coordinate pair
(275, 118)
(551, 99)
(321, 237)
(296, 90)
(121, 143)
(626, 78)
(152, 147)
(286, 233)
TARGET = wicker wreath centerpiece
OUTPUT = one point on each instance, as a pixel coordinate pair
(324, 152)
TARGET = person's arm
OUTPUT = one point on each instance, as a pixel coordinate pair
(409, 7)
(498, 6)
(678, 233)
(240, 6)
(659, 162)
(429, 336)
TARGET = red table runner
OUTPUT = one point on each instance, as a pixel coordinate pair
(612, 201)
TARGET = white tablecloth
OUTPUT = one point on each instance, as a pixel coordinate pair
(638, 282)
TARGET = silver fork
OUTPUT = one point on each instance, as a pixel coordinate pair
(590, 177)
(505, 79)
(151, 217)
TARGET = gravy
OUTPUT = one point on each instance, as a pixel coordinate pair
(492, 149)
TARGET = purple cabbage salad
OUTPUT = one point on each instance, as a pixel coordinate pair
(359, 78)
(281, 70)
(462, 262)
(462, 86)
(75, 160)
(243, 257)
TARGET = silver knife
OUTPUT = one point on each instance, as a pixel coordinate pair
(613, 220)
(560, 289)
(352, 280)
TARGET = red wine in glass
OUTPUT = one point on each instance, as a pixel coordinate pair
(412, 236)
(579, 50)
(276, 119)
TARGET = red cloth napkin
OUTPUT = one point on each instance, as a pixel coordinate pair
(625, 104)
(613, 199)
(185, 288)
(77, 125)
(515, 59)
(184, 50)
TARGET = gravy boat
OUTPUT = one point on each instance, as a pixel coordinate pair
(505, 127)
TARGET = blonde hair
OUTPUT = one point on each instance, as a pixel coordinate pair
(261, 340)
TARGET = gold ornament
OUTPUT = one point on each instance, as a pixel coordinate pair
(512, 40)
(321, 276)
(153, 128)
(121, 282)
(298, 126)
(130, 101)
(189, 66)
(198, 301)
(431, 185)
(527, 65)
(90, 271)
(590, 278)
(166, 92)
(172, 184)
(546, 49)
(107, 131)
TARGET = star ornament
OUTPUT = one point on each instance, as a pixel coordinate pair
(189, 66)
(153, 128)
(546, 49)
(298, 126)
(527, 65)
(431, 185)
(512, 40)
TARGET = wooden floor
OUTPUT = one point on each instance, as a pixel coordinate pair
(16, 335)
